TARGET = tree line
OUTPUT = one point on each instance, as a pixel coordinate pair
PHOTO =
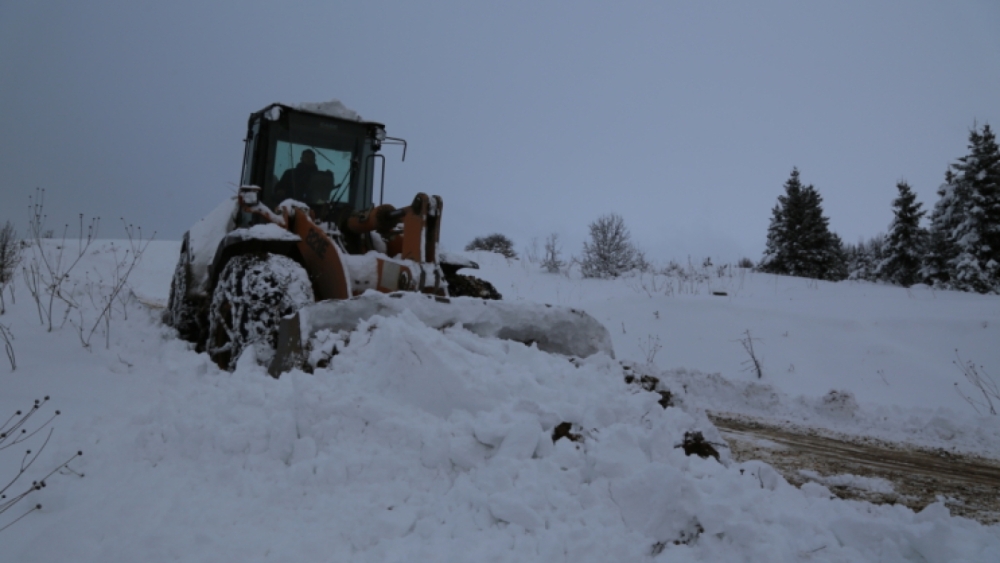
(959, 249)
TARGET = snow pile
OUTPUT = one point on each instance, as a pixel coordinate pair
(559, 330)
(420, 444)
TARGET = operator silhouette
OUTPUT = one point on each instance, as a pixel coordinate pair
(306, 182)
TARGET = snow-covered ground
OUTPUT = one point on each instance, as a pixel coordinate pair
(419, 444)
(893, 349)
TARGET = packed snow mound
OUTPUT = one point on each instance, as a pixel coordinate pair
(418, 444)
(333, 108)
(560, 330)
(204, 237)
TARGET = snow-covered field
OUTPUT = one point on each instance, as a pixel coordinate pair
(419, 444)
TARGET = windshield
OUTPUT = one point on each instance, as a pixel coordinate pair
(311, 174)
(318, 160)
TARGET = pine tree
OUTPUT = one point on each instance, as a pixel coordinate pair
(906, 243)
(940, 248)
(799, 241)
(965, 224)
(864, 257)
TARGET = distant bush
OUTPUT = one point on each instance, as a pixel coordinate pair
(10, 258)
(493, 243)
(745, 263)
(552, 263)
(610, 252)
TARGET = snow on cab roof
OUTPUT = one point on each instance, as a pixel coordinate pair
(332, 108)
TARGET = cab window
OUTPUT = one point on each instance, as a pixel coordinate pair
(323, 176)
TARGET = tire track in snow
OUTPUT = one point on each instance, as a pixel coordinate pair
(970, 485)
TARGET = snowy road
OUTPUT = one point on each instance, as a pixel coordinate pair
(970, 485)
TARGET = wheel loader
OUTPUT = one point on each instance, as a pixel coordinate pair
(303, 248)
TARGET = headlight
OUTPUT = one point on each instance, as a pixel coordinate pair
(249, 195)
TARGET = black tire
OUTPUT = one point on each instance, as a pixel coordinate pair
(253, 293)
(188, 315)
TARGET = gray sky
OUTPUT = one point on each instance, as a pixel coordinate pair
(527, 117)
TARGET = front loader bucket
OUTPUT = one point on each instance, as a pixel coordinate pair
(558, 330)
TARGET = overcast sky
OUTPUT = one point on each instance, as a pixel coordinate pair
(528, 118)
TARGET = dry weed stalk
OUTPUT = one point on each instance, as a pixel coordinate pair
(752, 364)
(983, 382)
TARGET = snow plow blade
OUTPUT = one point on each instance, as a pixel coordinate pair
(558, 330)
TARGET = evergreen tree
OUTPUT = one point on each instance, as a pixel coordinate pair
(906, 243)
(940, 248)
(863, 258)
(799, 241)
(965, 224)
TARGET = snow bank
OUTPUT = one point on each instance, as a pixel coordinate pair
(419, 444)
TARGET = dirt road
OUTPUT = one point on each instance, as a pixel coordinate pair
(970, 485)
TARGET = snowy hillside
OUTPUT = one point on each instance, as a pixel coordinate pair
(419, 444)
(894, 349)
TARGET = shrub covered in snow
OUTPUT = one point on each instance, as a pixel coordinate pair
(552, 263)
(610, 252)
(10, 257)
(493, 243)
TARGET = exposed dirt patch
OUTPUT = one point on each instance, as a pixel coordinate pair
(970, 485)
(462, 285)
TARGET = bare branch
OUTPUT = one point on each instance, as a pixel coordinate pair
(753, 364)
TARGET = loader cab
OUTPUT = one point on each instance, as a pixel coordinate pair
(325, 161)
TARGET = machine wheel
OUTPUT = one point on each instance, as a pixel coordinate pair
(460, 285)
(189, 316)
(253, 293)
